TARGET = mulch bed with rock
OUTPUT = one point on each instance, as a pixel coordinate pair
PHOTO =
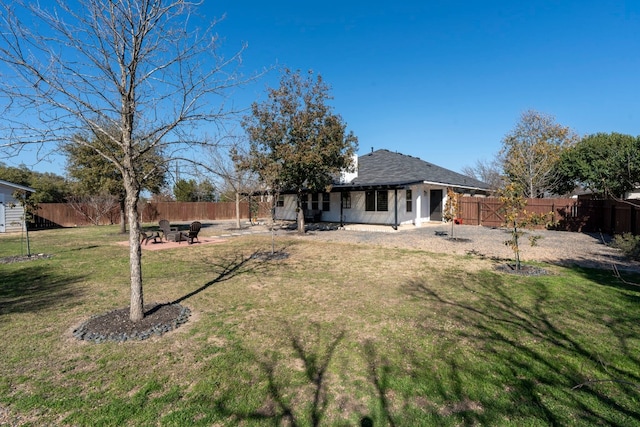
(117, 326)
(22, 258)
(524, 270)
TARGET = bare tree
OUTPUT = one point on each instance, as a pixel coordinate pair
(236, 180)
(531, 151)
(486, 171)
(141, 67)
(93, 207)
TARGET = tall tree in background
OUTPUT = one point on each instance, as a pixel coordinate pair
(531, 151)
(191, 191)
(96, 176)
(296, 142)
(184, 190)
(489, 172)
(607, 164)
(139, 67)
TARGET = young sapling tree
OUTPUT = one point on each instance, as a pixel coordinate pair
(517, 219)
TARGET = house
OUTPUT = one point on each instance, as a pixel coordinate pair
(11, 212)
(386, 188)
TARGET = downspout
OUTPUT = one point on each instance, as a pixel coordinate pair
(395, 203)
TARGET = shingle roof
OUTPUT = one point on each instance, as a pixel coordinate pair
(383, 167)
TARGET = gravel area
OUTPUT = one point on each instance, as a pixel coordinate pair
(557, 247)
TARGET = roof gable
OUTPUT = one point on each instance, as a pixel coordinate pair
(16, 186)
(383, 167)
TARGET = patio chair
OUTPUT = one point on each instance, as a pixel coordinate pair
(194, 229)
(171, 234)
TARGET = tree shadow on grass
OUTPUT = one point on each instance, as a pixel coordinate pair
(315, 360)
(379, 372)
(35, 287)
(610, 276)
(299, 389)
(543, 362)
(298, 385)
(160, 318)
(224, 269)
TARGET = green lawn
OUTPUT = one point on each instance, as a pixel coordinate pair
(328, 336)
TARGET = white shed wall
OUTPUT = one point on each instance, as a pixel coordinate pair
(13, 215)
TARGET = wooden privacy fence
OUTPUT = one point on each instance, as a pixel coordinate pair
(568, 214)
(487, 211)
(608, 216)
(51, 215)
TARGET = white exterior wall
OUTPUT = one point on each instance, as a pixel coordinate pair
(633, 195)
(359, 215)
(288, 211)
(13, 211)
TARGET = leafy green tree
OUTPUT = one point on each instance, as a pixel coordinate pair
(96, 175)
(17, 175)
(205, 191)
(185, 190)
(531, 151)
(605, 163)
(50, 188)
(296, 142)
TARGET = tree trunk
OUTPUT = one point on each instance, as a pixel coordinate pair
(136, 312)
(300, 217)
(123, 216)
(132, 191)
(238, 210)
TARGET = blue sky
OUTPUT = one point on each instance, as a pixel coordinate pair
(446, 80)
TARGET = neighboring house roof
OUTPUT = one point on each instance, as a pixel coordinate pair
(383, 168)
(16, 186)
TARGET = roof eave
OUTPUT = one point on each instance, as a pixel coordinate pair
(466, 187)
(17, 186)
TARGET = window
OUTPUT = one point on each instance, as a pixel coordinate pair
(326, 202)
(370, 201)
(314, 201)
(382, 200)
(376, 200)
(409, 201)
(346, 200)
(280, 202)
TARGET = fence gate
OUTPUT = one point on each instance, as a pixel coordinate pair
(490, 215)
